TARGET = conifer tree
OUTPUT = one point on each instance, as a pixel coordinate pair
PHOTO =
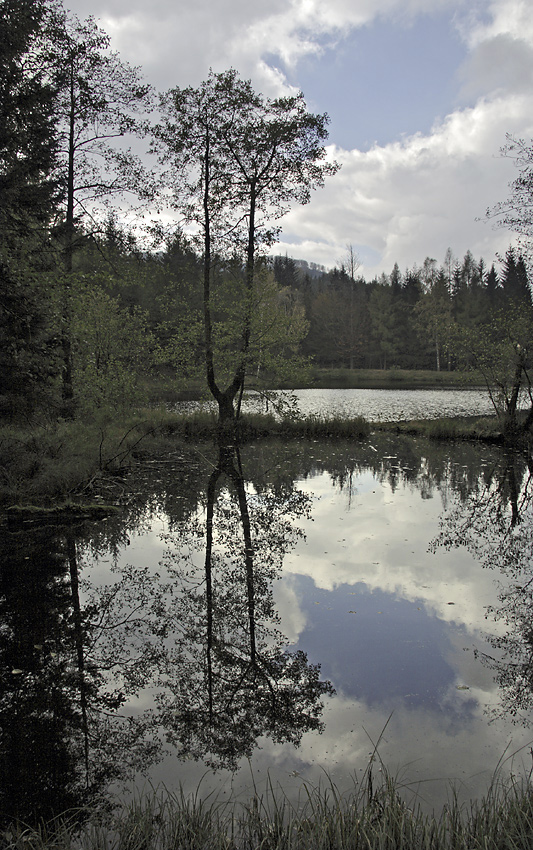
(515, 283)
(492, 285)
(28, 194)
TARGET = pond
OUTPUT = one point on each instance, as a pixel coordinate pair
(273, 615)
(374, 405)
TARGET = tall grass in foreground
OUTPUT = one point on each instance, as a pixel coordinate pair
(483, 428)
(334, 427)
(312, 427)
(368, 818)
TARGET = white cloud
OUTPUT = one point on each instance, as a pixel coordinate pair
(500, 64)
(397, 203)
(488, 20)
(416, 197)
(288, 607)
(177, 42)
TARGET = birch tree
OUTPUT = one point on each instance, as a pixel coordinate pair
(237, 161)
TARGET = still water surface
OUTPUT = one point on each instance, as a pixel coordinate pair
(376, 405)
(273, 614)
(394, 405)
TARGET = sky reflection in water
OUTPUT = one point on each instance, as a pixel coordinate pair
(393, 625)
(402, 567)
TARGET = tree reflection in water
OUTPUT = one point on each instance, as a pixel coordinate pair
(229, 678)
(204, 638)
(62, 738)
(96, 672)
(494, 521)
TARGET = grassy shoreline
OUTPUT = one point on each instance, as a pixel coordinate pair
(486, 429)
(375, 815)
(56, 463)
(393, 379)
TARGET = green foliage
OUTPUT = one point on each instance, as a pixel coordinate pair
(112, 349)
(434, 316)
(339, 323)
(499, 350)
(386, 323)
(236, 161)
(28, 345)
(28, 145)
(278, 325)
(28, 150)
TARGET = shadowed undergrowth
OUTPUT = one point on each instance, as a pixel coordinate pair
(47, 462)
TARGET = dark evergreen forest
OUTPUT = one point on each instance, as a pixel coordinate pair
(410, 320)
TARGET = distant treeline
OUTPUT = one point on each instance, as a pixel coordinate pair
(404, 319)
(418, 319)
(135, 313)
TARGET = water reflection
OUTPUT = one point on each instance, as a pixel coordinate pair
(228, 677)
(62, 738)
(165, 626)
(200, 635)
(396, 628)
(494, 521)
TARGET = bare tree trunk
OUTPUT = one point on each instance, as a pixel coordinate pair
(66, 346)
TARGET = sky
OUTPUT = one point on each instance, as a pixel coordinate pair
(421, 95)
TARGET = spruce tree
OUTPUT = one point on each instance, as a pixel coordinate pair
(28, 194)
(492, 286)
(515, 283)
